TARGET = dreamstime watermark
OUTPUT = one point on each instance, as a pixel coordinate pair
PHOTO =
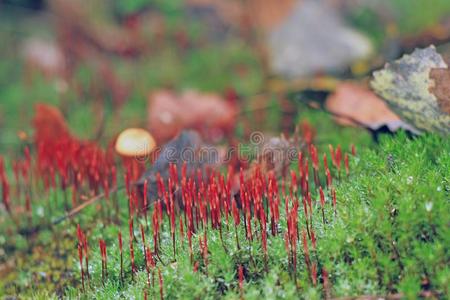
(274, 149)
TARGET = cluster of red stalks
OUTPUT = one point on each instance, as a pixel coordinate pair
(192, 204)
(83, 253)
(5, 185)
(77, 165)
(77, 168)
(21, 169)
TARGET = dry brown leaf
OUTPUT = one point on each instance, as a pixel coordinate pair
(267, 14)
(262, 14)
(435, 34)
(84, 29)
(49, 123)
(169, 113)
(441, 87)
(357, 105)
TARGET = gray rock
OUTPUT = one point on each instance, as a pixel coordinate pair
(188, 148)
(405, 85)
(314, 38)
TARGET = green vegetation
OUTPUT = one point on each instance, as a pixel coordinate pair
(399, 18)
(389, 236)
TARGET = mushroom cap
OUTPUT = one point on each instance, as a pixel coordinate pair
(135, 142)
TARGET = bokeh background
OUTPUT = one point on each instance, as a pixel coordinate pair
(99, 61)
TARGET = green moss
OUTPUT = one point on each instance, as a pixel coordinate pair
(408, 17)
(389, 236)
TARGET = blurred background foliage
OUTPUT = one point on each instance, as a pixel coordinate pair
(208, 64)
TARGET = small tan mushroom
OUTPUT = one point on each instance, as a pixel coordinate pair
(135, 142)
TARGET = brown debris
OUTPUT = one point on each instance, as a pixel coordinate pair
(169, 113)
(354, 104)
(441, 87)
(49, 123)
(259, 14)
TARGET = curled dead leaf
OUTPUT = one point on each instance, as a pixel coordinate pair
(441, 87)
(260, 14)
(49, 123)
(169, 113)
(354, 104)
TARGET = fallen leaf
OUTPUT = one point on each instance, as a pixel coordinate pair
(356, 105)
(82, 27)
(441, 88)
(269, 14)
(259, 14)
(169, 113)
(434, 34)
(416, 92)
(49, 123)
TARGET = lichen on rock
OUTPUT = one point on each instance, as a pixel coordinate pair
(407, 87)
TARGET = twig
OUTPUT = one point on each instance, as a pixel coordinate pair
(82, 206)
